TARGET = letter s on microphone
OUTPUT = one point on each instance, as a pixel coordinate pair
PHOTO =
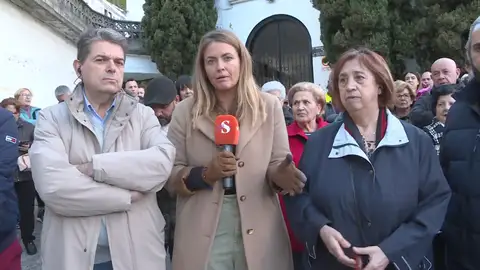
(225, 125)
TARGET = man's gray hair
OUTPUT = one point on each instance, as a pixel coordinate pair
(98, 34)
(475, 27)
(62, 90)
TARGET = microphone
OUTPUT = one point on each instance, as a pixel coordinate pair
(226, 136)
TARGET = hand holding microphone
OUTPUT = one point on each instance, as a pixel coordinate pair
(226, 136)
(223, 165)
(290, 179)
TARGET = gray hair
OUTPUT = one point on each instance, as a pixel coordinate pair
(317, 92)
(62, 90)
(98, 34)
(475, 27)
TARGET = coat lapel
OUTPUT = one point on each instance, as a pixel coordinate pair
(76, 105)
(206, 126)
(125, 104)
(246, 134)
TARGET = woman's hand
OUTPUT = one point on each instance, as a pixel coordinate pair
(287, 177)
(335, 244)
(377, 259)
(224, 164)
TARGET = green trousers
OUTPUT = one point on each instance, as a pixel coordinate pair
(228, 252)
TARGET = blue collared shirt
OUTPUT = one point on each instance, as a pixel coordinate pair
(98, 125)
(94, 116)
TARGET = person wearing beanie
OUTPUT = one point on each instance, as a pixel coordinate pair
(161, 96)
(277, 89)
(460, 159)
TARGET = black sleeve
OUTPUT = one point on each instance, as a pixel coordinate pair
(433, 198)
(195, 181)
(446, 143)
(305, 219)
(421, 114)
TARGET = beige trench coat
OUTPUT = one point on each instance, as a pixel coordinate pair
(260, 148)
(136, 156)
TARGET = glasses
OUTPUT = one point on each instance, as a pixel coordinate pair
(403, 97)
(26, 95)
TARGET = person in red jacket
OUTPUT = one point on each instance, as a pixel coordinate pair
(308, 103)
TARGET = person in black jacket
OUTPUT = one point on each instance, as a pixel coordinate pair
(24, 185)
(375, 193)
(444, 71)
(10, 250)
(460, 159)
(161, 96)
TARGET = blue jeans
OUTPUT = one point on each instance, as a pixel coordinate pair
(103, 266)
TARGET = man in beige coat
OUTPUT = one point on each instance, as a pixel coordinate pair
(97, 161)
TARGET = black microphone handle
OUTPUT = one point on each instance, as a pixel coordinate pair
(227, 181)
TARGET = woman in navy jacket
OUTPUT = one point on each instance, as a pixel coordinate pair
(375, 193)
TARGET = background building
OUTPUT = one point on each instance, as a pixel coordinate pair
(39, 51)
(283, 37)
(110, 8)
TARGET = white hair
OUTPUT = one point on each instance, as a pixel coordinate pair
(274, 86)
(62, 90)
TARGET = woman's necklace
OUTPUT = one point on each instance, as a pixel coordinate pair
(367, 137)
(369, 143)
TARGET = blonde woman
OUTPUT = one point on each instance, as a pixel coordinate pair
(28, 113)
(403, 100)
(242, 228)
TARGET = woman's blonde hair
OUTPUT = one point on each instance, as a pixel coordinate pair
(400, 85)
(19, 92)
(317, 92)
(250, 104)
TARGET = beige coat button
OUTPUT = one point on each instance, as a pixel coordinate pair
(243, 198)
(250, 231)
(241, 164)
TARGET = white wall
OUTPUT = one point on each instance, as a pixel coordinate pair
(135, 10)
(241, 18)
(33, 57)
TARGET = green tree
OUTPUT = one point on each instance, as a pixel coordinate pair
(410, 34)
(172, 31)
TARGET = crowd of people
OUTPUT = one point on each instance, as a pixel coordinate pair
(371, 173)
